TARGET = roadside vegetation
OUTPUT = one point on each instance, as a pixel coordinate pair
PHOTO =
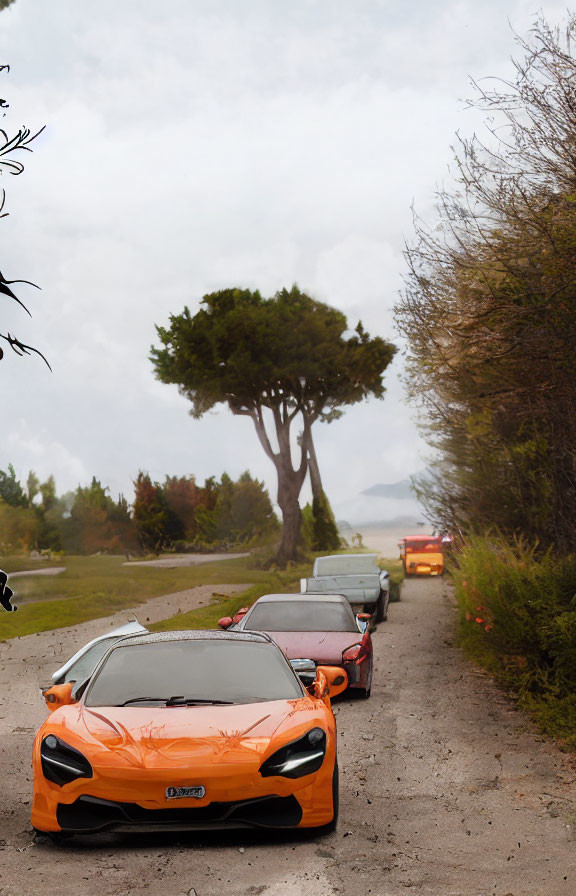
(518, 618)
(489, 314)
(396, 571)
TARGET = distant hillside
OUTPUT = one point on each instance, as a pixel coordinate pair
(400, 489)
(402, 520)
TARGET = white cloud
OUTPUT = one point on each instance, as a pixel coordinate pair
(38, 451)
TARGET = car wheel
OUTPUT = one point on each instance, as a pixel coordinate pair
(332, 825)
(380, 614)
(365, 692)
(335, 799)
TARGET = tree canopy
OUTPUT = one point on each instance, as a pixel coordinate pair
(288, 355)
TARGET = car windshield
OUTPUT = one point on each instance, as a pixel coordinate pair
(433, 545)
(301, 615)
(209, 670)
(347, 564)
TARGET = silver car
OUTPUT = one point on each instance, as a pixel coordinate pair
(356, 576)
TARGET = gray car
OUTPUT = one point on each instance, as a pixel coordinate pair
(356, 576)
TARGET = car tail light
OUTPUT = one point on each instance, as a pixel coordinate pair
(357, 653)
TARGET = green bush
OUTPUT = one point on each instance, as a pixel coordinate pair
(325, 535)
(518, 618)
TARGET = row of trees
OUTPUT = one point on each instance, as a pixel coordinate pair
(489, 311)
(176, 514)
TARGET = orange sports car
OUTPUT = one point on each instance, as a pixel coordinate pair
(189, 730)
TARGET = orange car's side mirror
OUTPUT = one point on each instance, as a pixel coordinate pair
(58, 695)
(330, 681)
(225, 622)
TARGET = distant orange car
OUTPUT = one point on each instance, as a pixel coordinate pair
(188, 730)
(422, 555)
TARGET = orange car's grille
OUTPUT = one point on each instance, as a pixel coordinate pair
(90, 814)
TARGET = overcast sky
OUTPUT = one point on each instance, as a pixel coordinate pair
(200, 144)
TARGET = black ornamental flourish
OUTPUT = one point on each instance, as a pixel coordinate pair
(10, 165)
(6, 593)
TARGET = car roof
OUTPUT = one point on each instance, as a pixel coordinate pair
(420, 537)
(209, 635)
(310, 596)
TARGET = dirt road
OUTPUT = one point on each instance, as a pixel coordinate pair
(446, 790)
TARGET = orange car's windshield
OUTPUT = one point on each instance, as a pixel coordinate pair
(206, 671)
(434, 545)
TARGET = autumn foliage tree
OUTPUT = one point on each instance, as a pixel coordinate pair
(489, 310)
(285, 362)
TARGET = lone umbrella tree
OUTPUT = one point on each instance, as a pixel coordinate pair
(283, 361)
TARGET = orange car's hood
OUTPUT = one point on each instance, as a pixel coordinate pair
(155, 736)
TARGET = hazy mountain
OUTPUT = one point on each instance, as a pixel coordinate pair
(391, 523)
(400, 489)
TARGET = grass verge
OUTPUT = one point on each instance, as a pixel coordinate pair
(518, 620)
(396, 571)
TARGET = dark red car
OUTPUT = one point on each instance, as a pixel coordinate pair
(318, 627)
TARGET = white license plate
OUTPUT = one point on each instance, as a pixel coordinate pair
(182, 793)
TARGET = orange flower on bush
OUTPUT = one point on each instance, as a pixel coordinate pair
(481, 616)
(485, 619)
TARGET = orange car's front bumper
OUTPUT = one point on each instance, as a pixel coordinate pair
(124, 798)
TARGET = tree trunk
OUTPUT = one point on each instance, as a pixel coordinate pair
(325, 531)
(314, 470)
(290, 480)
(291, 544)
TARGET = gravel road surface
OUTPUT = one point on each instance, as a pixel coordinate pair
(446, 790)
(45, 571)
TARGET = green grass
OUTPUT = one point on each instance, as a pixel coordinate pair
(396, 570)
(92, 587)
(107, 574)
(17, 562)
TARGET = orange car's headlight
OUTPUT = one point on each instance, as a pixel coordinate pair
(299, 758)
(61, 763)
